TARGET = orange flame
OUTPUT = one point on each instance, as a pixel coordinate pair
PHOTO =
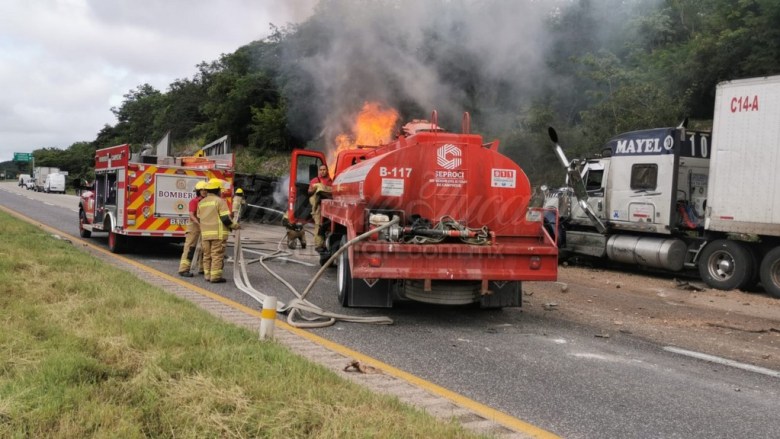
(373, 127)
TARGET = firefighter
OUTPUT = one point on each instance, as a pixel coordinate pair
(193, 233)
(239, 204)
(319, 187)
(294, 232)
(215, 227)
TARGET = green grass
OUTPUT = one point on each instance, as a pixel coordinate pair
(87, 350)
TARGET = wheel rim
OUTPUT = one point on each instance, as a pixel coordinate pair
(341, 276)
(774, 272)
(721, 265)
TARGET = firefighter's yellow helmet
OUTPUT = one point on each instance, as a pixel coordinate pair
(214, 183)
(239, 191)
(200, 185)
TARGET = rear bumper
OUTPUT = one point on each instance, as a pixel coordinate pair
(509, 262)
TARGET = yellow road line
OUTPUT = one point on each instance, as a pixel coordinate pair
(479, 408)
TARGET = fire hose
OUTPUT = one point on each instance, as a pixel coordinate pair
(300, 307)
(446, 228)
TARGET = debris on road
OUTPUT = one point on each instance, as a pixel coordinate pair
(684, 285)
(357, 366)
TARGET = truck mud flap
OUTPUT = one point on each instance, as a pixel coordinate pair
(505, 294)
(373, 293)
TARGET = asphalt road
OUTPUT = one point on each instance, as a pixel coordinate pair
(529, 364)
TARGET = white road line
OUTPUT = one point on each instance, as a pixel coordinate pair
(723, 361)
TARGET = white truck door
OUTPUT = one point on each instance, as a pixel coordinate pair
(641, 192)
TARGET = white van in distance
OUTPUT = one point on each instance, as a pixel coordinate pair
(54, 183)
(23, 179)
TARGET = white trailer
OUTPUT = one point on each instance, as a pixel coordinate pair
(39, 176)
(674, 199)
(744, 186)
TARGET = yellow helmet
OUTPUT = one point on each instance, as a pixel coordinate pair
(214, 183)
(200, 185)
(239, 191)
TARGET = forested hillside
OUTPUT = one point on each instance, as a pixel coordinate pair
(591, 68)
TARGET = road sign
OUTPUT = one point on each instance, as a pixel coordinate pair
(22, 156)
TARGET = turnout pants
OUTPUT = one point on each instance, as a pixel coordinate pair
(190, 244)
(316, 214)
(213, 258)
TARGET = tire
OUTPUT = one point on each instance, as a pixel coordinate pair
(115, 242)
(725, 265)
(344, 276)
(332, 246)
(770, 272)
(324, 257)
(755, 265)
(84, 233)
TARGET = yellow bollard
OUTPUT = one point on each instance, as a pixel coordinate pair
(268, 318)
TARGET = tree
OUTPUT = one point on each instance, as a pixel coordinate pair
(137, 115)
(236, 86)
(180, 109)
(268, 130)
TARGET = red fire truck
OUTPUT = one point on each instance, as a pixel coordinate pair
(464, 232)
(141, 195)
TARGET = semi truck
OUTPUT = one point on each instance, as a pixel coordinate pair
(143, 195)
(674, 199)
(39, 176)
(433, 216)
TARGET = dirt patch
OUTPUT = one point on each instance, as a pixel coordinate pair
(742, 326)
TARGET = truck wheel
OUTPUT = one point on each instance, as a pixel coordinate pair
(115, 242)
(755, 268)
(84, 233)
(770, 272)
(344, 276)
(725, 265)
(333, 245)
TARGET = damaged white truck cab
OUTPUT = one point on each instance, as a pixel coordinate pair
(674, 199)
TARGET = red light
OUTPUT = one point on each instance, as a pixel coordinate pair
(535, 263)
(131, 211)
(132, 188)
(374, 262)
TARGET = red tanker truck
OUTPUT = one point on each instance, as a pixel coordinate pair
(462, 231)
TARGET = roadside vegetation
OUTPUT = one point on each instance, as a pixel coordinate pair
(88, 350)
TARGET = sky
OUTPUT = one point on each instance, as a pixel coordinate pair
(65, 63)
